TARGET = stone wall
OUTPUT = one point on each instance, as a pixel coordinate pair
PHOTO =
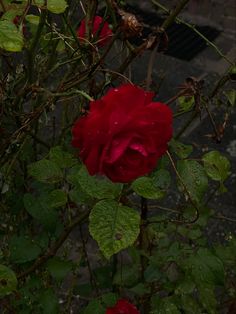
(218, 13)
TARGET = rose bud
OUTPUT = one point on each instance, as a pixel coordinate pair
(100, 31)
(124, 134)
(122, 307)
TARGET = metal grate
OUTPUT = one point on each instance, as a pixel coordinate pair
(184, 43)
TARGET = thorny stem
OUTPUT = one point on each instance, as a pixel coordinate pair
(174, 14)
(212, 121)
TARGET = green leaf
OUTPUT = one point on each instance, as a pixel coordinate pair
(8, 281)
(180, 149)
(161, 178)
(164, 306)
(33, 19)
(194, 177)
(185, 286)
(113, 226)
(217, 166)
(186, 102)
(227, 253)
(39, 2)
(127, 276)
(207, 298)
(145, 186)
(140, 289)
(152, 273)
(78, 196)
(45, 171)
(49, 302)
(103, 277)
(23, 250)
(84, 290)
(41, 211)
(231, 96)
(93, 307)
(205, 267)
(97, 187)
(109, 299)
(59, 268)
(61, 158)
(190, 305)
(56, 198)
(12, 13)
(57, 6)
(11, 38)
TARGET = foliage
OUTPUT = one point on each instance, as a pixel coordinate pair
(75, 242)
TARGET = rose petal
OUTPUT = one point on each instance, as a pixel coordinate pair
(124, 134)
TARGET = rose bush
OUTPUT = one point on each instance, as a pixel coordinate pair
(122, 307)
(100, 30)
(124, 134)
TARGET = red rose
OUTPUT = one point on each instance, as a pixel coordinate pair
(102, 33)
(122, 307)
(124, 134)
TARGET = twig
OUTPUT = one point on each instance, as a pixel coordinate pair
(64, 94)
(217, 135)
(221, 217)
(172, 99)
(118, 74)
(174, 14)
(54, 248)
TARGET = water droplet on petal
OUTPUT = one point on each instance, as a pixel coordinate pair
(115, 122)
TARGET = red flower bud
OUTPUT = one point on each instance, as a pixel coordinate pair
(100, 31)
(122, 307)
